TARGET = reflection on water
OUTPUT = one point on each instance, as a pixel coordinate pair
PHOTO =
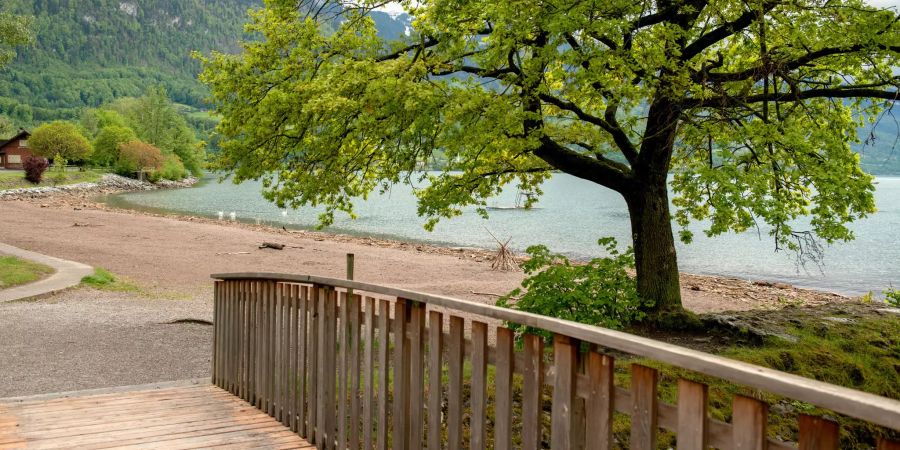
(572, 215)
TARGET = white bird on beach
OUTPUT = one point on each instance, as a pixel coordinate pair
(233, 216)
(221, 215)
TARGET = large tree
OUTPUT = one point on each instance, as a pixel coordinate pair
(752, 104)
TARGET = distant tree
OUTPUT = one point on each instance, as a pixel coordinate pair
(15, 31)
(61, 138)
(107, 142)
(94, 120)
(138, 157)
(751, 104)
(7, 127)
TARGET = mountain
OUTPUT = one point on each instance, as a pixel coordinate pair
(90, 52)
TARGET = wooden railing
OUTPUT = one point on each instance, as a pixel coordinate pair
(354, 365)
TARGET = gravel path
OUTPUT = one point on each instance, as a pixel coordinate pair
(85, 339)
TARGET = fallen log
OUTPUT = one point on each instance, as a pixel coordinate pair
(272, 245)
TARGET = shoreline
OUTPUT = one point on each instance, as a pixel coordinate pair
(739, 293)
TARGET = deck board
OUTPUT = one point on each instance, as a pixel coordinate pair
(172, 417)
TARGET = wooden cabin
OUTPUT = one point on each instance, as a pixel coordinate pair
(14, 151)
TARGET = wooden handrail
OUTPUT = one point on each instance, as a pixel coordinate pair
(861, 405)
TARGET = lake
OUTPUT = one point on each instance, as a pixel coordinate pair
(569, 219)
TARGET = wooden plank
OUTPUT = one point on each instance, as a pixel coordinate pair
(749, 419)
(533, 385)
(253, 341)
(503, 395)
(416, 375)
(313, 360)
(383, 370)
(369, 374)
(323, 375)
(283, 345)
(478, 397)
(244, 344)
(355, 302)
(217, 325)
(302, 361)
(400, 431)
(329, 362)
(817, 433)
(342, 362)
(873, 408)
(887, 444)
(693, 432)
(275, 349)
(292, 375)
(565, 360)
(600, 403)
(435, 372)
(644, 407)
(455, 388)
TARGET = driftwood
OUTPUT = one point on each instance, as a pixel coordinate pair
(232, 253)
(504, 260)
(277, 246)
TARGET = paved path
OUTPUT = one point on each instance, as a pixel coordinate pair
(68, 274)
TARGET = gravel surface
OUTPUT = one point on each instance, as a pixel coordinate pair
(85, 338)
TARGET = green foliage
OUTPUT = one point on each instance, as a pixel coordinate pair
(94, 120)
(743, 101)
(172, 169)
(15, 31)
(107, 142)
(16, 271)
(7, 127)
(60, 138)
(892, 297)
(104, 280)
(600, 292)
(155, 120)
(91, 52)
(138, 157)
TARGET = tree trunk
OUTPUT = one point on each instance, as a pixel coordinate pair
(654, 246)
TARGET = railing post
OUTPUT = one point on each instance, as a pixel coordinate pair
(401, 376)
(644, 411)
(600, 405)
(693, 431)
(532, 394)
(817, 433)
(565, 359)
(749, 418)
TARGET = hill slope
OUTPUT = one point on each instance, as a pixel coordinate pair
(90, 52)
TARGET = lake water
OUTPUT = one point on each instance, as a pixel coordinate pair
(570, 217)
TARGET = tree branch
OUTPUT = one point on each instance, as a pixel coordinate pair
(619, 137)
(838, 92)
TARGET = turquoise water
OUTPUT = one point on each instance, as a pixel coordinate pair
(570, 217)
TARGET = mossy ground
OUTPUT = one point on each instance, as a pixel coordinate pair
(16, 271)
(104, 280)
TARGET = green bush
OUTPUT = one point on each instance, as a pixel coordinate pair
(892, 297)
(172, 169)
(601, 292)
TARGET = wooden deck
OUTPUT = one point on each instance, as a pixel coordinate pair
(179, 417)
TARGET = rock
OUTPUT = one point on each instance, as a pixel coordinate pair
(839, 319)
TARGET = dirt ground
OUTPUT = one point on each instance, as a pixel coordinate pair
(178, 254)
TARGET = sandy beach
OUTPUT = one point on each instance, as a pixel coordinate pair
(84, 338)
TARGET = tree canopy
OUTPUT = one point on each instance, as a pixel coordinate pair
(60, 138)
(15, 31)
(752, 104)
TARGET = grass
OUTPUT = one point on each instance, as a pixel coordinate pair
(15, 179)
(15, 271)
(861, 353)
(104, 280)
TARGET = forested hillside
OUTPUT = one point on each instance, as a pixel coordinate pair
(91, 52)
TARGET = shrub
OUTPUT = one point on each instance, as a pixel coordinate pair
(137, 157)
(35, 166)
(600, 292)
(892, 297)
(106, 145)
(172, 169)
